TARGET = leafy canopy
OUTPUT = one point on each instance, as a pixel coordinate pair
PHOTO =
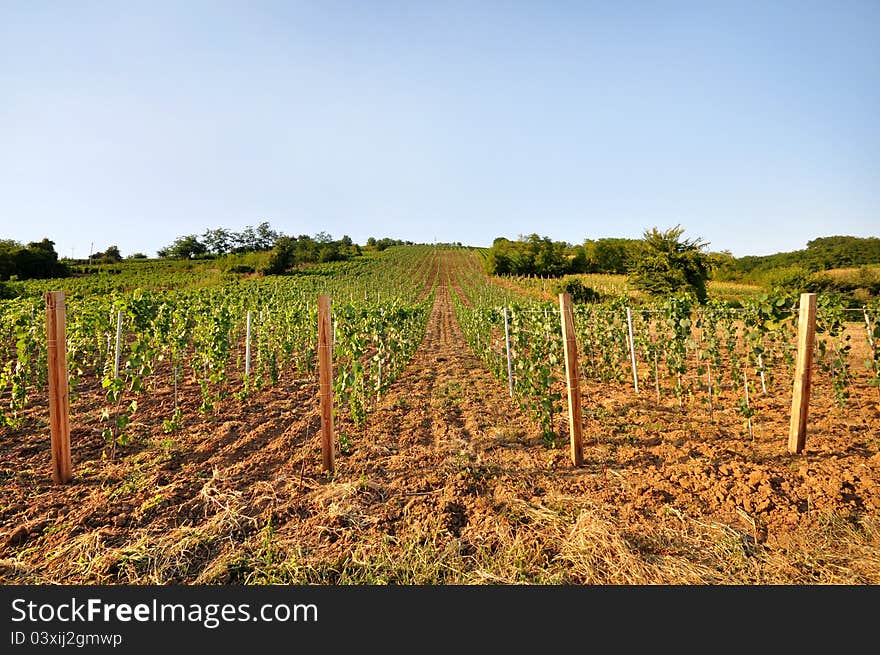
(670, 264)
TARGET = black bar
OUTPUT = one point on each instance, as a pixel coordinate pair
(454, 617)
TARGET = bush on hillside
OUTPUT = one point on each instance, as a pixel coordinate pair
(580, 293)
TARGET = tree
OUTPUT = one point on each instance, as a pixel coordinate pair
(611, 254)
(283, 256)
(245, 241)
(265, 236)
(578, 262)
(723, 266)
(36, 260)
(8, 248)
(670, 264)
(529, 255)
(109, 256)
(550, 258)
(186, 247)
(329, 252)
(503, 258)
(219, 241)
(348, 248)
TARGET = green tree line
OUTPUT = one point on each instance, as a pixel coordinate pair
(539, 255)
(663, 262)
(35, 260)
(821, 254)
(283, 251)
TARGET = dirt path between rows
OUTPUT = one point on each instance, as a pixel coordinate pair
(427, 444)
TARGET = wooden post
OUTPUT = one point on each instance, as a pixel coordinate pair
(59, 404)
(800, 399)
(569, 341)
(247, 347)
(632, 349)
(325, 367)
(507, 345)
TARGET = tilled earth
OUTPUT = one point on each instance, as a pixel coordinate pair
(450, 482)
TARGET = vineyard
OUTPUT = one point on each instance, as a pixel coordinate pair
(195, 433)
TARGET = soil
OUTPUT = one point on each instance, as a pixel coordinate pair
(448, 481)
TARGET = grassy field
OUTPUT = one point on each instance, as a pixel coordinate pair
(616, 285)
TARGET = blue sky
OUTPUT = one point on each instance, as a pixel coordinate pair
(753, 125)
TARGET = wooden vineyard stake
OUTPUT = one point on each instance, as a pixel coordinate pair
(800, 398)
(325, 366)
(59, 404)
(569, 341)
(632, 349)
(507, 346)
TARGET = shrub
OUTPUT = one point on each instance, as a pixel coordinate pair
(792, 278)
(670, 264)
(580, 293)
(11, 289)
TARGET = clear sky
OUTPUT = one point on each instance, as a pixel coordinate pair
(754, 125)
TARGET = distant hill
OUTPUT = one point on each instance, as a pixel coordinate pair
(821, 254)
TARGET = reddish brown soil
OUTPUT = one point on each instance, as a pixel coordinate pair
(446, 464)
